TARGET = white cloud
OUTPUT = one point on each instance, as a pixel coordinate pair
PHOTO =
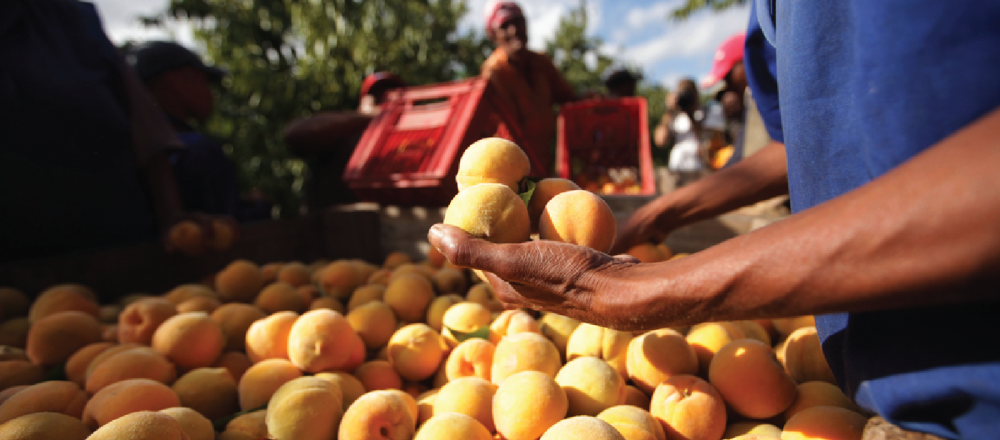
(698, 35)
(656, 13)
(120, 19)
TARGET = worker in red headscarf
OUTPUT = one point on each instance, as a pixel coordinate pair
(528, 82)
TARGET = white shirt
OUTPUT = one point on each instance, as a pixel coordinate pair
(684, 156)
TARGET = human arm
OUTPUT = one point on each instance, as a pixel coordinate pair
(759, 177)
(662, 135)
(923, 234)
(320, 131)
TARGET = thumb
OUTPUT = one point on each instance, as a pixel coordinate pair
(458, 246)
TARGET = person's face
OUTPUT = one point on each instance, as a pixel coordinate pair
(512, 35)
(738, 77)
(193, 90)
(732, 104)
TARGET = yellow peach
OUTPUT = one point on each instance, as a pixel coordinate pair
(582, 427)
(524, 352)
(316, 341)
(591, 386)
(657, 355)
(471, 396)
(527, 404)
(212, 392)
(602, 343)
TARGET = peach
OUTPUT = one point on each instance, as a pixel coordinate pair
(240, 281)
(139, 320)
(409, 295)
(340, 278)
(190, 340)
(212, 392)
(545, 190)
(235, 362)
(252, 424)
(647, 253)
(269, 271)
(636, 397)
(378, 415)
(785, 326)
(632, 432)
(310, 293)
(54, 396)
(379, 277)
(490, 211)
(707, 339)
(7, 393)
(824, 422)
(135, 363)
(235, 320)
(18, 372)
(55, 337)
(187, 237)
(126, 397)
(76, 366)
(294, 273)
(657, 355)
(13, 302)
(438, 307)
(329, 303)
(591, 386)
(106, 354)
(482, 293)
(62, 298)
(316, 341)
(558, 329)
(350, 387)
(492, 161)
(740, 429)
(474, 357)
(511, 322)
(689, 408)
(199, 304)
(751, 380)
(453, 426)
(602, 343)
(44, 426)
(280, 297)
(184, 292)
(141, 425)
(416, 351)
(364, 294)
(262, 380)
(449, 280)
(374, 322)
(195, 425)
(523, 352)
(754, 330)
(395, 259)
(470, 396)
(378, 375)
(804, 359)
(306, 408)
(267, 338)
(464, 317)
(14, 332)
(357, 356)
(819, 393)
(527, 404)
(633, 416)
(582, 427)
(578, 217)
(425, 406)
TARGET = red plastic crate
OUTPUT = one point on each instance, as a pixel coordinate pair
(597, 138)
(409, 154)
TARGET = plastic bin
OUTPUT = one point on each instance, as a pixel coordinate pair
(603, 145)
(409, 154)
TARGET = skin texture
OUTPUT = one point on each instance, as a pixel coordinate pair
(938, 246)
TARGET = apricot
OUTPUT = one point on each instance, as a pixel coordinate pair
(638, 417)
(240, 281)
(824, 422)
(13, 302)
(294, 273)
(378, 375)
(357, 356)
(483, 293)
(785, 326)
(378, 415)
(18, 372)
(819, 393)
(261, 381)
(751, 380)
(7, 393)
(235, 320)
(582, 427)
(187, 237)
(632, 432)
(126, 397)
(14, 332)
(474, 357)
(804, 359)
(267, 338)
(63, 298)
(252, 424)
(54, 396)
(350, 387)
(492, 160)
(438, 307)
(141, 425)
(425, 406)
(106, 354)
(339, 279)
(280, 297)
(754, 330)
(139, 320)
(453, 425)
(306, 408)
(44, 426)
(707, 339)
(558, 329)
(212, 392)
(689, 408)
(449, 280)
(310, 293)
(657, 355)
(527, 404)
(184, 292)
(76, 366)
(602, 343)
(379, 277)
(190, 340)
(54, 338)
(591, 386)
(365, 294)
(416, 351)
(329, 303)
(523, 352)
(511, 322)
(199, 304)
(647, 253)
(235, 362)
(545, 190)
(409, 296)
(195, 425)
(471, 396)
(412, 268)
(579, 217)
(135, 363)
(490, 211)
(395, 259)
(741, 429)
(464, 317)
(316, 341)
(374, 322)
(636, 397)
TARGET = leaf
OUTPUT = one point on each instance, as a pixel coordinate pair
(530, 184)
(220, 425)
(481, 333)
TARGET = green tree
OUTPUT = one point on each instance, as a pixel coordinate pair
(691, 6)
(290, 58)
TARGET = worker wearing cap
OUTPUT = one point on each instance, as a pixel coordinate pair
(180, 82)
(327, 140)
(886, 134)
(621, 83)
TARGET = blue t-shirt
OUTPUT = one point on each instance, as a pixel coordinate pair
(864, 86)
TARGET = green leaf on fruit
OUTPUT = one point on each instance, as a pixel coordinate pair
(529, 189)
(481, 333)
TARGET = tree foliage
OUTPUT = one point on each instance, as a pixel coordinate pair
(290, 58)
(691, 6)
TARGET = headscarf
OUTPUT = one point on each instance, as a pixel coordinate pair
(498, 11)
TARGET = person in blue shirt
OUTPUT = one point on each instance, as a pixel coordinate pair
(886, 132)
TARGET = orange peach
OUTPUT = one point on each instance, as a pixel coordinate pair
(235, 320)
(267, 338)
(523, 352)
(819, 393)
(44, 426)
(9, 392)
(136, 363)
(107, 354)
(378, 415)
(453, 425)
(740, 429)
(18, 372)
(187, 237)
(647, 253)
(139, 320)
(55, 337)
(262, 380)
(449, 280)
(438, 307)
(474, 357)
(269, 271)
(316, 341)
(310, 293)
(185, 292)
(280, 297)
(54, 396)
(751, 380)
(212, 392)
(416, 351)
(395, 259)
(464, 317)
(409, 295)
(582, 427)
(350, 387)
(199, 304)
(490, 211)
(235, 362)
(545, 190)
(630, 415)
(471, 396)
(602, 343)
(189, 340)
(252, 424)
(754, 330)
(240, 281)
(329, 303)
(804, 359)
(195, 425)
(636, 397)
(825, 422)
(657, 355)
(707, 339)
(378, 375)
(61, 298)
(76, 366)
(380, 277)
(374, 322)
(578, 217)
(339, 279)
(483, 294)
(511, 322)
(689, 408)
(527, 404)
(492, 161)
(306, 408)
(785, 326)
(126, 397)
(591, 386)
(294, 273)
(141, 425)
(558, 329)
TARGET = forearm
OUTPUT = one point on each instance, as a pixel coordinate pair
(321, 131)
(924, 234)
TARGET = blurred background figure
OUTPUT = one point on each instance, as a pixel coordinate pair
(680, 129)
(327, 140)
(621, 83)
(528, 82)
(179, 83)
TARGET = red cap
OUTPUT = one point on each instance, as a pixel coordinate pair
(729, 53)
(379, 77)
(500, 11)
